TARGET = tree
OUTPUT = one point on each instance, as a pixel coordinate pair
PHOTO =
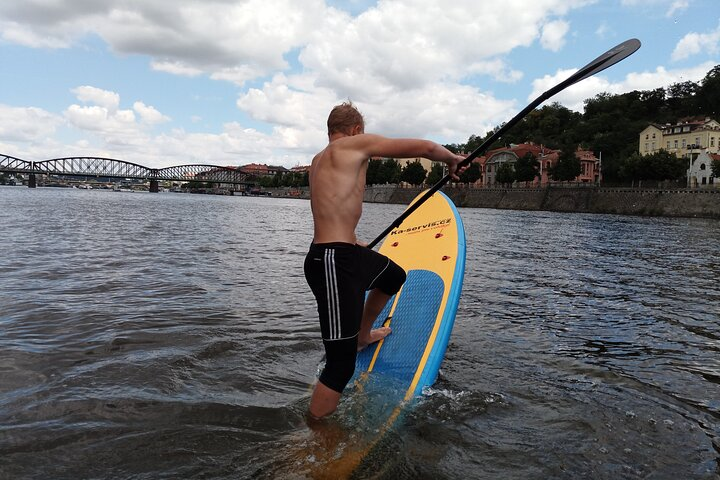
(631, 168)
(611, 123)
(197, 185)
(390, 171)
(568, 166)
(413, 173)
(372, 177)
(715, 166)
(668, 166)
(526, 168)
(505, 173)
(708, 95)
(435, 175)
(472, 174)
(661, 165)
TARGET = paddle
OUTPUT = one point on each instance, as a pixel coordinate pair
(607, 59)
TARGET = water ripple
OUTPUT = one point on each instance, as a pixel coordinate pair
(173, 336)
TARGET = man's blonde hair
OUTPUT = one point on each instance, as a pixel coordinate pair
(343, 118)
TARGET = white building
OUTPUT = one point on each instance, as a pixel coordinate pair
(700, 171)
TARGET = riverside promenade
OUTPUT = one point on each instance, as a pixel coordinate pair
(671, 202)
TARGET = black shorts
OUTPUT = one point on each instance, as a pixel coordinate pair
(339, 274)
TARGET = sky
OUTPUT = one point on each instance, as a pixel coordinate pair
(232, 82)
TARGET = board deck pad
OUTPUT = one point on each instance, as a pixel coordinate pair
(430, 246)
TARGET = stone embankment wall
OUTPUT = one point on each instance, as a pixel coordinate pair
(625, 201)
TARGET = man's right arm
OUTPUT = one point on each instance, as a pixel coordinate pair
(379, 146)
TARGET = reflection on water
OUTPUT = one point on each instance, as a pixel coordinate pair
(173, 336)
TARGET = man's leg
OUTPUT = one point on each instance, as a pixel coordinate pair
(376, 301)
(339, 368)
(324, 401)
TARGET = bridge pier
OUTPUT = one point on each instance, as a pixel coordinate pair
(32, 182)
(154, 187)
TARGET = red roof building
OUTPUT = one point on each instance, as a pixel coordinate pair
(546, 157)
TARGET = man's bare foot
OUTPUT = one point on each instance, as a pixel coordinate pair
(375, 336)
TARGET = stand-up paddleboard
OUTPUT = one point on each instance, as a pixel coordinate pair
(430, 246)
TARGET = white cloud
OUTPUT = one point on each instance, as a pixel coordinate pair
(694, 43)
(671, 7)
(390, 42)
(553, 35)
(176, 68)
(676, 7)
(414, 67)
(445, 111)
(603, 30)
(573, 97)
(662, 77)
(104, 98)
(181, 36)
(105, 120)
(149, 114)
(14, 32)
(237, 75)
(403, 45)
(292, 105)
(28, 124)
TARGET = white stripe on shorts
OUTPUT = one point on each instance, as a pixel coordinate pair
(332, 295)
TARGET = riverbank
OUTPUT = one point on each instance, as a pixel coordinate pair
(701, 203)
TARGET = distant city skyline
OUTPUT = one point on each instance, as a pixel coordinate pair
(234, 83)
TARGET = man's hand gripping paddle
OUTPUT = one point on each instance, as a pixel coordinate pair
(607, 59)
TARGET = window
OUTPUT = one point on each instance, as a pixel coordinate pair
(653, 146)
(647, 136)
(697, 141)
(653, 135)
(702, 166)
(668, 147)
(712, 141)
(646, 146)
(676, 144)
(684, 143)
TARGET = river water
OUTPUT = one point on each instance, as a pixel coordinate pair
(148, 336)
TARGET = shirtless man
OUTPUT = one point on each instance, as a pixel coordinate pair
(338, 269)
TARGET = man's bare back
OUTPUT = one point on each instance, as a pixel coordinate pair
(337, 178)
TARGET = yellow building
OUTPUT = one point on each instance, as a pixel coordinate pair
(686, 139)
(426, 163)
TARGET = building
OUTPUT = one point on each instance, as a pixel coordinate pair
(700, 171)
(494, 158)
(686, 139)
(262, 170)
(546, 157)
(589, 166)
(426, 163)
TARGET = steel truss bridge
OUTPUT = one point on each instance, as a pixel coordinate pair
(120, 169)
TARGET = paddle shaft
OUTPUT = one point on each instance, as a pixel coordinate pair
(602, 62)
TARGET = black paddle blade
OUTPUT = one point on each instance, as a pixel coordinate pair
(607, 59)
